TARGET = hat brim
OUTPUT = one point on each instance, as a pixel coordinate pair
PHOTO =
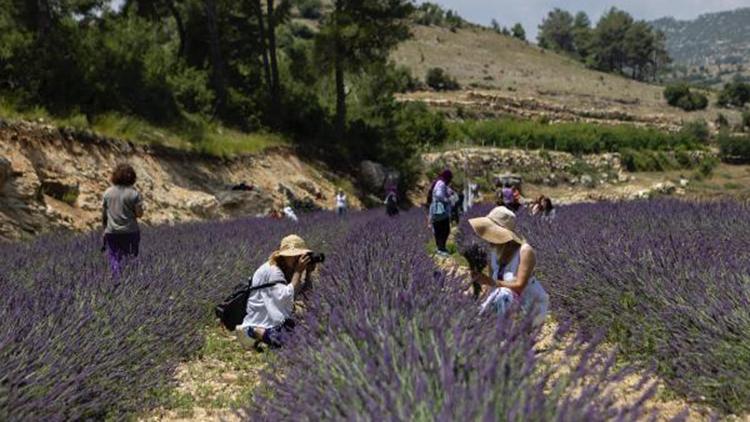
(293, 252)
(491, 232)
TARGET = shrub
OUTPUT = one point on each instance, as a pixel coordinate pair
(735, 94)
(734, 148)
(746, 120)
(681, 96)
(576, 138)
(419, 126)
(439, 80)
(697, 129)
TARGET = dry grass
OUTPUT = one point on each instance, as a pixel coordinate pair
(505, 66)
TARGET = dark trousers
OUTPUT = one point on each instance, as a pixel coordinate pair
(119, 247)
(275, 336)
(441, 229)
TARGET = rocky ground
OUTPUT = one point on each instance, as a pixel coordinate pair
(53, 179)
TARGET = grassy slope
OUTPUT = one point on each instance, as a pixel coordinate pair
(193, 135)
(514, 68)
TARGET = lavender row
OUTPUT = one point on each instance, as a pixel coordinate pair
(669, 281)
(76, 343)
(388, 336)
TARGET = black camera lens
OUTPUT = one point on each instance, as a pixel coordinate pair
(317, 258)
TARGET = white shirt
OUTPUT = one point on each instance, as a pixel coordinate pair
(341, 200)
(533, 294)
(269, 307)
(289, 212)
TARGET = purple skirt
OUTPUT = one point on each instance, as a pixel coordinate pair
(121, 246)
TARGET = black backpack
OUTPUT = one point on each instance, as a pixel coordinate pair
(233, 309)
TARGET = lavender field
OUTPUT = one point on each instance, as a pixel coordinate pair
(668, 281)
(387, 334)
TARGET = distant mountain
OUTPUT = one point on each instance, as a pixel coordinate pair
(714, 38)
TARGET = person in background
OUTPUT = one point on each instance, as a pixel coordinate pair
(391, 203)
(341, 203)
(548, 210)
(543, 207)
(536, 206)
(438, 199)
(457, 207)
(510, 197)
(513, 263)
(269, 309)
(122, 206)
(290, 214)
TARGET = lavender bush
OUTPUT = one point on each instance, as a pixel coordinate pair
(387, 336)
(668, 280)
(76, 343)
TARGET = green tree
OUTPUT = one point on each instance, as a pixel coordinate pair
(639, 45)
(556, 31)
(680, 95)
(735, 93)
(495, 26)
(518, 31)
(355, 34)
(608, 47)
(582, 35)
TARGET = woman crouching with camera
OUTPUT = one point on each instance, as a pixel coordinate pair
(269, 309)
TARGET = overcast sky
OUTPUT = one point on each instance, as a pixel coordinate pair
(531, 12)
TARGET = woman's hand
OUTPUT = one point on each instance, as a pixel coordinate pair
(481, 278)
(302, 264)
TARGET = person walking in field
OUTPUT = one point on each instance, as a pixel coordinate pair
(122, 206)
(438, 199)
(391, 203)
(513, 264)
(269, 309)
(341, 203)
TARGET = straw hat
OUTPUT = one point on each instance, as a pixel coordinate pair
(292, 245)
(498, 227)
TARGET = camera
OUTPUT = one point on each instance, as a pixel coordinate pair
(317, 258)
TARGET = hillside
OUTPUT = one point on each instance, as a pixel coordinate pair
(53, 178)
(722, 37)
(502, 75)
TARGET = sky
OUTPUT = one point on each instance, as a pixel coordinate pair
(531, 12)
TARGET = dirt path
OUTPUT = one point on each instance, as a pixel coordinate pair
(215, 383)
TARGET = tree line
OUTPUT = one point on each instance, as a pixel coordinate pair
(617, 43)
(250, 64)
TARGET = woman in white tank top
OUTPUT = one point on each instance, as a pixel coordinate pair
(513, 263)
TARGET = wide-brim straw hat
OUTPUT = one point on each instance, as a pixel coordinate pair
(498, 227)
(292, 245)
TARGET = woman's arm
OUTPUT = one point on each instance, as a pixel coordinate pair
(138, 207)
(525, 270)
(482, 279)
(299, 271)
